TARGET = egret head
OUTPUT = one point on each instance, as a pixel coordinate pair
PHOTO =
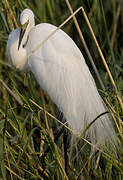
(26, 16)
(27, 22)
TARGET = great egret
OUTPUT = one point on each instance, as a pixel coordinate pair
(61, 71)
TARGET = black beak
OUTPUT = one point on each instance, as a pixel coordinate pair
(21, 37)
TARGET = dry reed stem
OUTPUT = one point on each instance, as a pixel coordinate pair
(18, 99)
(5, 2)
(115, 23)
(12, 172)
(85, 46)
(112, 111)
(115, 26)
(44, 172)
(102, 57)
(76, 134)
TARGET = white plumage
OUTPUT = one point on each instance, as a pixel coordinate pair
(61, 71)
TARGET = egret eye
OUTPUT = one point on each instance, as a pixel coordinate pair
(24, 26)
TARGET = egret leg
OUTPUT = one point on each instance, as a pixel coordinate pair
(63, 131)
(65, 134)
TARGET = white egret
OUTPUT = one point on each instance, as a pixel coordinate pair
(61, 71)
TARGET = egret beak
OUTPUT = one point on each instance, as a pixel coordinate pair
(22, 32)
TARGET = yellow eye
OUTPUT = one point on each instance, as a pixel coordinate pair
(24, 25)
